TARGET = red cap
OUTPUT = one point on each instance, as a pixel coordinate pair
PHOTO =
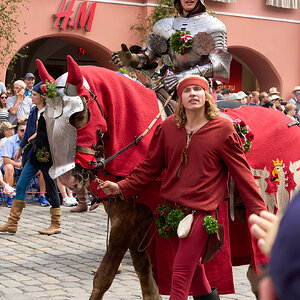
(193, 80)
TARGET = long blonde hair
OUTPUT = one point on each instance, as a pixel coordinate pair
(211, 110)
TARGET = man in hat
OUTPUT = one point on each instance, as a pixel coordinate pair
(29, 80)
(273, 91)
(296, 100)
(276, 100)
(194, 136)
(198, 46)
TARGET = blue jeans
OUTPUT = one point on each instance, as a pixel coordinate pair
(26, 176)
(28, 173)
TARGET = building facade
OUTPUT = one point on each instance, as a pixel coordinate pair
(263, 38)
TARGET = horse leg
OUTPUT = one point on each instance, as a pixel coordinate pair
(142, 266)
(106, 272)
(117, 247)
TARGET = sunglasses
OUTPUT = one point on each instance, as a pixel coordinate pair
(21, 130)
(3, 97)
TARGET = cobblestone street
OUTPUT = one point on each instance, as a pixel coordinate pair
(59, 267)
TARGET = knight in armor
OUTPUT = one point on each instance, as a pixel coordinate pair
(194, 42)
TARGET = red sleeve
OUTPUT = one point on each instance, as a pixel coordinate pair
(147, 171)
(235, 160)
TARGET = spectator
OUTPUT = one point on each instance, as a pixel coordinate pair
(18, 105)
(29, 81)
(273, 91)
(290, 111)
(225, 92)
(234, 97)
(3, 109)
(6, 130)
(249, 97)
(38, 158)
(2, 87)
(279, 238)
(255, 98)
(276, 99)
(12, 167)
(296, 100)
(67, 194)
(263, 97)
(9, 93)
(269, 104)
(242, 96)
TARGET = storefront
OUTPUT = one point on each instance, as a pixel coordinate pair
(264, 40)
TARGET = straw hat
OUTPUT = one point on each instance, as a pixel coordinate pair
(296, 89)
(6, 125)
(273, 90)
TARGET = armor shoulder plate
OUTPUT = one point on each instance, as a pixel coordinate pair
(164, 28)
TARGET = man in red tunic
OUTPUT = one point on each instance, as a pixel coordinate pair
(197, 148)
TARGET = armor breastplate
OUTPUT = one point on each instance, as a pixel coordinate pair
(195, 24)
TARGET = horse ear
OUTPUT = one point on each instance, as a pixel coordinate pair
(43, 73)
(74, 74)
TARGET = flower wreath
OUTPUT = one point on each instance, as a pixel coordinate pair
(168, 219)
(49, 89)
(43, 155)
(181, 42)
(244, 133)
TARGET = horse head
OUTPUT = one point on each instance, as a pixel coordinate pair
(74, 125)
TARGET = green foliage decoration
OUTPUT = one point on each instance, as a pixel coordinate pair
(211, 224)
(167, 220)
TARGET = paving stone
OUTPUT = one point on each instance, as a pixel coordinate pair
(37, 267)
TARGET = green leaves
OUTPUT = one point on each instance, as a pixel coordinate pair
(9, 27)
(211, 224)
(167, 220)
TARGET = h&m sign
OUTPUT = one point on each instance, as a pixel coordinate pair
(83, 17)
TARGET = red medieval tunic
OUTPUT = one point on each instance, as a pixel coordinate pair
(201, 182)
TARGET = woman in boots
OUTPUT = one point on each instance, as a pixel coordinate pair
(38, 158)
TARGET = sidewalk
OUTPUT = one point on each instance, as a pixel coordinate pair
(59, 267)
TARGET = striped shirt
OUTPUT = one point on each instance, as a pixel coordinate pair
(3, 115)
(23, 109)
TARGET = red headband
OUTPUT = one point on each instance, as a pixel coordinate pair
(192, 81)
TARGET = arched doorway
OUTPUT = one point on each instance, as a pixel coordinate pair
(256, 71)
(53, 51)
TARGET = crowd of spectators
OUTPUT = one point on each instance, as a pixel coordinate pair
(15, 109)
(270, 99)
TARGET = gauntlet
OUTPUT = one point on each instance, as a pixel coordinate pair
(125, 58)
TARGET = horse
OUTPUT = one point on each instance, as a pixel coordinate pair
(94, 126)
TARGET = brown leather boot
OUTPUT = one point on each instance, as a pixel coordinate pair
(54, 228)
(11, 225)
(81, 206)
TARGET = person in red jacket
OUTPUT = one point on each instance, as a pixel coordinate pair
(197, 148)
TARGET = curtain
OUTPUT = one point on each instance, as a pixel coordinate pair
(294, 4)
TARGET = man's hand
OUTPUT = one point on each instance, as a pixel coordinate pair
(110, 188)
(125, 58)
(264, 228)
(18, 155)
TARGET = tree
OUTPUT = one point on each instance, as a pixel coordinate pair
(164, 9)
(9, 27)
